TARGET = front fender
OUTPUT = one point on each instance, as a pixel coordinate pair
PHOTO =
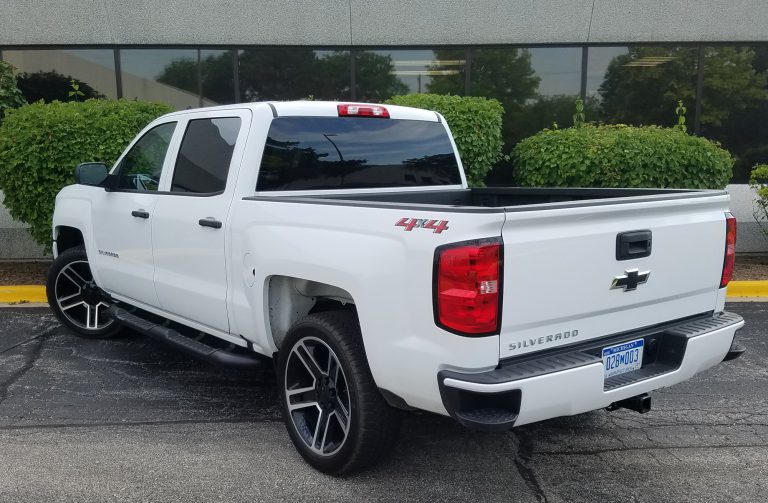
(73, 209)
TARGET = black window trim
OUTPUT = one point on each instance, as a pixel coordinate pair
(169, 193)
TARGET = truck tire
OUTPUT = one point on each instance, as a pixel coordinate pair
(335, 415)
(75, 299)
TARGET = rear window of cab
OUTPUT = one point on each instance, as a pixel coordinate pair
(320, 153)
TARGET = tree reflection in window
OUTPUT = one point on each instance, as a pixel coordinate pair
(304, 153)
(141, 167)
(52, 85)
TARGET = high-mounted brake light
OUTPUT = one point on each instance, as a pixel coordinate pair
(363, 111)
(467, 287)
(730, 249)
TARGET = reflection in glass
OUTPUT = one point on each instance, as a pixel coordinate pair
(205, 154)
(640, 85)
(164, 75)
(350, 152)
(218, 76)
(537, 87)
(734, 107)
(141, 167)
(47, 74)
(375, 79)
(293, 74)
(383, 74)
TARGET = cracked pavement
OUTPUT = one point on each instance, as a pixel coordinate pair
(130, 420)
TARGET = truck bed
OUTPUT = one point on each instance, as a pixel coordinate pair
(560, 250)
(500, 199)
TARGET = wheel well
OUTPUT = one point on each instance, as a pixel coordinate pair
(290, 299)
(68, 237)
(323, 304)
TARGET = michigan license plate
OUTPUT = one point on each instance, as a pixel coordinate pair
(623, 358)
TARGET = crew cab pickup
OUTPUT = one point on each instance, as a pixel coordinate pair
(340, 242)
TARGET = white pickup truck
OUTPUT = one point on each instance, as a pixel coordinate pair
(341, 242)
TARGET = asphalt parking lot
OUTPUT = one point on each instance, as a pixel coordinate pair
(129, 420)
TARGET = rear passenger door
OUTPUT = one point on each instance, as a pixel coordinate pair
(190, 220)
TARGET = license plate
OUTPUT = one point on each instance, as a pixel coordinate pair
(623, 358)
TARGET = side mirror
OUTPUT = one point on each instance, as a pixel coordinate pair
(91, 173)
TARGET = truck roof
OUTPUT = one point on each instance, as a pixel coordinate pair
(319, 109)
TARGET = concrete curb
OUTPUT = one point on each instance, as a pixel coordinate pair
(24, 294)
(739, 289)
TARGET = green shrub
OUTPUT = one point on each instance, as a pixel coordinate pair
(758, 180)
(475, 124)
(620, 156)
(10, 95)
(41, 144)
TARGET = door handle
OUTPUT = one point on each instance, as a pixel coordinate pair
(140, 213)
(210, 222)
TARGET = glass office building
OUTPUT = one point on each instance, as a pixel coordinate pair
(723, 86)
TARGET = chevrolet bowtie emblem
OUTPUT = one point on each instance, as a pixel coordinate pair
(630, 279)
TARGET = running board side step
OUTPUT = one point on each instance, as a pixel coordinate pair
(185, 344)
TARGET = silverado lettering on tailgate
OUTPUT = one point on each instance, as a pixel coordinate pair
(544, 339)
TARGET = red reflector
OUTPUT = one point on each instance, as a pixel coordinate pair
(468, 287)
(363, 111)
(730, 249)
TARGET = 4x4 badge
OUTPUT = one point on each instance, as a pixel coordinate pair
(630, 279)
(437, 226)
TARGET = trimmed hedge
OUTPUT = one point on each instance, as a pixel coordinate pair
(758, 180)
(41, 144)
(475, 124)
(620, 156)
(10, 95)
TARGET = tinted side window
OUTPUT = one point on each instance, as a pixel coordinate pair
(304, 153)
(141, 167)
(205, 154)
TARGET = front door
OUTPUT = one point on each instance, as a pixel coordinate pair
(190, 219)
(122, 219)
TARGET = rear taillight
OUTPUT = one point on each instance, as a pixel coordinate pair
(730, 249)
(363, 111)
(467, 293)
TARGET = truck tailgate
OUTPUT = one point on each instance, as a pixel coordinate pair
(560, 266)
